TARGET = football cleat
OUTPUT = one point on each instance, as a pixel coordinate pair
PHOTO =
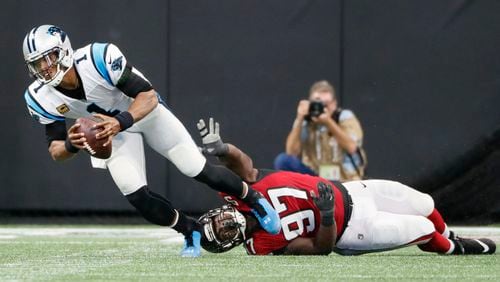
(465, 246)
(266, 215)
(452, 235)
(192, 248)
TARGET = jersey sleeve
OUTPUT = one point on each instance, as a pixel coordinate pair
(109, 61)
(40, 112)
(237, 203)
(113, 67)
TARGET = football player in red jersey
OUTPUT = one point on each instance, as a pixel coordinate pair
(319, 216)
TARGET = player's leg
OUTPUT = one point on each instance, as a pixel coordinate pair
(395, 197)
(128, 170)
(385, 231)
(168, 136)
(372, 228)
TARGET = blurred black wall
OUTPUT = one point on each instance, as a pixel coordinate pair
(423, 77)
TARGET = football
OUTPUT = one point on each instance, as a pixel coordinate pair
(93, 146)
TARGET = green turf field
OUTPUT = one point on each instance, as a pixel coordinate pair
(147, 253)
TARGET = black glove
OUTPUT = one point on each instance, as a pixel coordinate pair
(325, 203)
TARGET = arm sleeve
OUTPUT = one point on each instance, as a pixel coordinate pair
(132, 82)
(55, 131)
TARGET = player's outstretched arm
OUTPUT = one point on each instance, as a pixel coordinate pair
(325, 239)
(230, 155)
(240, 163)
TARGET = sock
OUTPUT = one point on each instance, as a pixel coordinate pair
(249, 195)
(186, 225)
(153, 207)
(438, 244)
(221, 179)
(439, 223)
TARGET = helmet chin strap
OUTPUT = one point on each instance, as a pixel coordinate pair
(61, 72)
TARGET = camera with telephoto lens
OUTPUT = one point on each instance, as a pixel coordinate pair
(316, 108)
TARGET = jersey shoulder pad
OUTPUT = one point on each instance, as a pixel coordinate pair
(41, 108)
(108, 60)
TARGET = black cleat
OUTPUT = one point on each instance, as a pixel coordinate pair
(465, 246)
(452, 235)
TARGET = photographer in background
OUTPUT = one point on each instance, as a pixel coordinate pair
(327, 138)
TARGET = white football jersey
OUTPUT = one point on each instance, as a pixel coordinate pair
(100, 66)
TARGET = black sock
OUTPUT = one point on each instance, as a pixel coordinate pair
(252, 196)
(221, 179)
(186, 225)
(158, 210)
(153, 207)
(251, 199)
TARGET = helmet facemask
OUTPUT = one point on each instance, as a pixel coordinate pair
(223, 229)
(47, 67)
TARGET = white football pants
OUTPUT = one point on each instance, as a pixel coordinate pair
(163, 132)
(385, 215)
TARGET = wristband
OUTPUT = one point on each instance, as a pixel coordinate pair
(327, 218)
(69, 147)
(125, 119)
(223, 151)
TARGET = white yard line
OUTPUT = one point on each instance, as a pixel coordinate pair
(99, 232)
(166, 235)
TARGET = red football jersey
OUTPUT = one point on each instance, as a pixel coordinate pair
(290, 194)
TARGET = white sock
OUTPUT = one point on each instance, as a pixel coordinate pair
(446, 232)
(452, 247)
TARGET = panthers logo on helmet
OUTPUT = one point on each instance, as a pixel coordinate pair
(54, 29)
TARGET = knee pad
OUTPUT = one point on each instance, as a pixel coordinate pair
(187, 158)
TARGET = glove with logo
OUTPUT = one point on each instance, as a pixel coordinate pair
(212, 143)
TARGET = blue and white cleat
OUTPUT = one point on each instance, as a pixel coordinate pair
(267, 216)
(192, 248)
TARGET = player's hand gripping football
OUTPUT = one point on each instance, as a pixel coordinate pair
(325, 203)
(110, 126)
(76, 138)
(212, 143)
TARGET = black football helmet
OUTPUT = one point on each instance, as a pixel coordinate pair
(223, 229)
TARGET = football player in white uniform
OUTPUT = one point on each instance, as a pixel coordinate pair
(98, 80)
